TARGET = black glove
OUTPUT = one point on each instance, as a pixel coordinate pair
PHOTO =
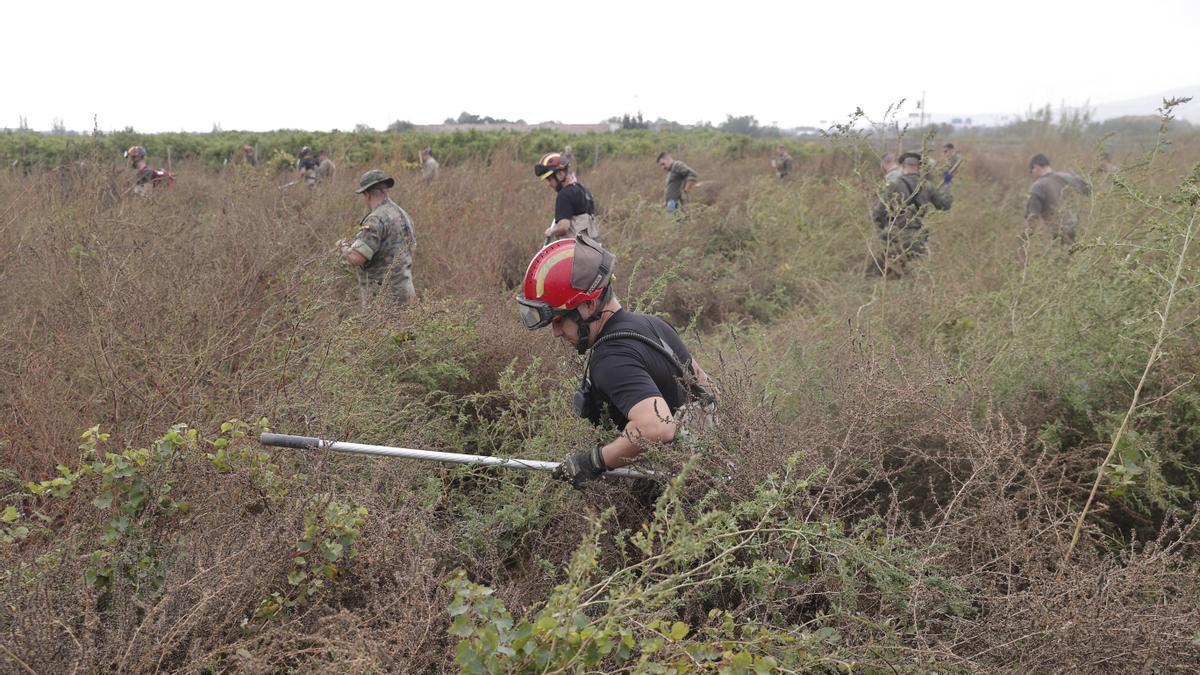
(582, 466)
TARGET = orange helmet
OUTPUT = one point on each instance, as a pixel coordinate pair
(548, 164)
(561, 276)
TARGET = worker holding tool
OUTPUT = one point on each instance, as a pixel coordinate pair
(574, 208)
(382, 250)
(952, 160)
(640, 377)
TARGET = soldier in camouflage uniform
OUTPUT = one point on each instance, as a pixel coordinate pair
(898, 216)
(680, 179)
(782, 163)
(952, 161)
(382, 251)
(1047, 197)
(325, 166)
(429, 165)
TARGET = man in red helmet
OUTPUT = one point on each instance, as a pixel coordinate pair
(639, 376)
(248, 155)
(574, 208)
(147, 178)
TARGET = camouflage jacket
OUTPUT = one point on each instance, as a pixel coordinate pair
(782, 165)
(906, 199)
(429, 168)
(677, 176)
(1048, 194)
(387, 240)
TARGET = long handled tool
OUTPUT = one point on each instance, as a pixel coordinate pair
(309, 442)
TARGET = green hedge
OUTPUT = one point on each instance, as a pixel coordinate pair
(33, 149)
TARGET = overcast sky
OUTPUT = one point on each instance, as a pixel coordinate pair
(171, 65)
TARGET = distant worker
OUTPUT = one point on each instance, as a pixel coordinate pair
(898, 217)
(640, 376)
(952, 161)
(1048, 197)
(574, 207)
(782, 163)
(1107, 165)
(429, 165)
(568, 155)
(890, 167)
(248, 155)
(382, 251)
(325, 166)
(146, 178)
(306, 167)
(680, 180)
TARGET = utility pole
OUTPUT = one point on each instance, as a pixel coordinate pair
(922, 108)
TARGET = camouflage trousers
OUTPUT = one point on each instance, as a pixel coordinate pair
(900, 247)
(1063, 231)
(396, 287)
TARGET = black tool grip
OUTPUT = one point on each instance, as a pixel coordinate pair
(289, 441)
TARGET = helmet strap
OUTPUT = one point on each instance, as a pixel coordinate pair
(585, 325)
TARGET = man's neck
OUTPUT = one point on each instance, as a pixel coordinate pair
(611, 307)
(374, 202)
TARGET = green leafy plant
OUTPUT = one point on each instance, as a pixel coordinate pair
(330, 531)
(625, 616)
(134, 486)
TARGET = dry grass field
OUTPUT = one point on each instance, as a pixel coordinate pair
(893, 487)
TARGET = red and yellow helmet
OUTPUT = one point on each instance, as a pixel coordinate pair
(561, 276)
(548, 164)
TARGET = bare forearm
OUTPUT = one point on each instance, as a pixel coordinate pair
(650, 422)
(350, 255)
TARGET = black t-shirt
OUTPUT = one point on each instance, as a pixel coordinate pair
(307, 163)
(573, 200)
(627, 371)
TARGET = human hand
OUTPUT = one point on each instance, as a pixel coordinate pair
(582, 467)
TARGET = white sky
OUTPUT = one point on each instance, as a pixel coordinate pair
(167, 65)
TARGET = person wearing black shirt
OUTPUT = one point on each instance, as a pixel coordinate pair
(640, 375)
(306, 167)
(574, 207)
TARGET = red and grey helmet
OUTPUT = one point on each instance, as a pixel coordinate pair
(549, 163)
(136, 152)
(247, 149)
(563, 275)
